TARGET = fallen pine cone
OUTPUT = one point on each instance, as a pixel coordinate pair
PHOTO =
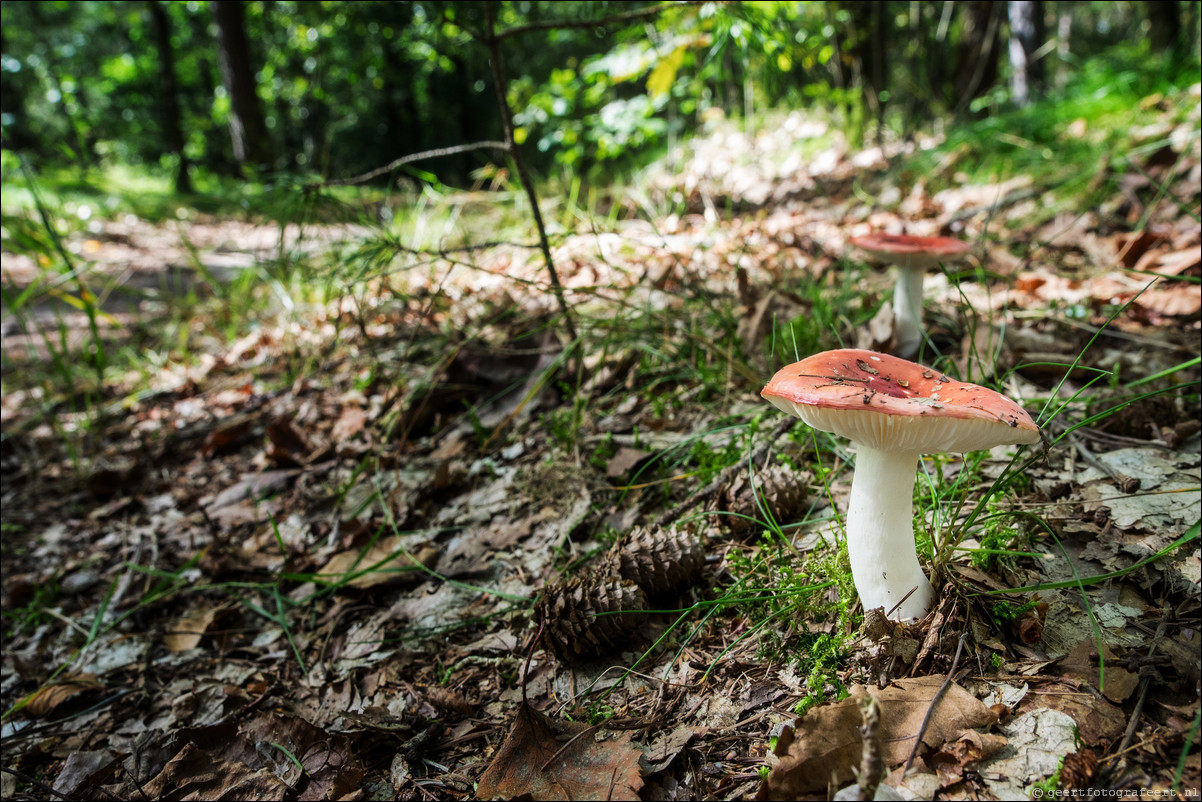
(657, 559)
(782, 491)
(588, 615)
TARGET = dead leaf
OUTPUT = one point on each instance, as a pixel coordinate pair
(230, 432)
(1082, 664)
(349, 424)
(383, 563)
(624, 460)
(187, 630)
(955, 756)
(1037, 740)
(251, 487)
(878, 334)
(664, 747)
(1181, 300)
(83, 769)
(545, 759)
(195, 774)
(1098, 721)
(287, 445)
(824, 745)
(48, 697)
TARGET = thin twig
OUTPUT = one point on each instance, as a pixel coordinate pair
(25, 778)
(555, 25)
(1133, 722)
(947, 683)
(492, 42)
(872, 767)
(412, 157)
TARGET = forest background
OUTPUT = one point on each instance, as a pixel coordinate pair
(344, 341)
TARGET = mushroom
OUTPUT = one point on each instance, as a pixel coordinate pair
(912, 255)
(894, 411)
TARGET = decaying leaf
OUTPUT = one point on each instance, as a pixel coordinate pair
(187, 630)
(1038, 741)
(195, 774)
(823, 746)
(49, 697)
(1082, 664)
(546, 759)
(83, 769)
(384, 563)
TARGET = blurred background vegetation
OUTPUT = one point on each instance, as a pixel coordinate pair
(197, 93)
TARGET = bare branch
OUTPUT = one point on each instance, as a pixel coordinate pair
(628, 16)
(414, 157)
(492, 42)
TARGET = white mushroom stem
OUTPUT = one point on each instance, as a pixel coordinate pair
(907, 310)
(880, 533)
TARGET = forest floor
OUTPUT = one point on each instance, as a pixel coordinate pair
(305, 564)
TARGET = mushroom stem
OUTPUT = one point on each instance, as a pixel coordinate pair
(880, 533)
(907, 310)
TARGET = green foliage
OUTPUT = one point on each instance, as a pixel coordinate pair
(791, 591)
(822, 655)
(598, 713)
(1047, 789)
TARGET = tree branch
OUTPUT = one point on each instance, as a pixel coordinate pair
(627, 16)
(413, 157)
(492, 42)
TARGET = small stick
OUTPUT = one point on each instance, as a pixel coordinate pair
(872, 768)
(947, 683)
(1133, 723)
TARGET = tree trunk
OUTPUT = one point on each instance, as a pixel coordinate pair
(868, 47)
(172, 120)
(1167, 33)
(17, 135)
(1027, 36)
(248, 131)
(977, 53)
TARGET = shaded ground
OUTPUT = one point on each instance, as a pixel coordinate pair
(305, 566)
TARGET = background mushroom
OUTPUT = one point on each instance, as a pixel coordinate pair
(912, 255)
(894, 411)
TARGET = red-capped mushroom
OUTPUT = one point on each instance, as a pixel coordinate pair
(912, 255)
(894, 411)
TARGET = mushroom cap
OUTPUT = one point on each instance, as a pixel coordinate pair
(891, 404)
(906, 250)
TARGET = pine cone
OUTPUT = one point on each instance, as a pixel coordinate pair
(657, 560)
(573, 617)
(782, 490)
(1079, 770)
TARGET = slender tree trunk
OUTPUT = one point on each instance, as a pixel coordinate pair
(1167, 33)
(172, 119)
(248, 131)
(1027, 36)
(76, 120)
(977, 62)
(12, 107)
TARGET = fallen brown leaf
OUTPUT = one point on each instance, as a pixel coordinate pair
(824, 745)
(545, 759)
(49, 697)
(349, 423)
(196, 775)
(187, 630)
(394, 564)
(1082, 664)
